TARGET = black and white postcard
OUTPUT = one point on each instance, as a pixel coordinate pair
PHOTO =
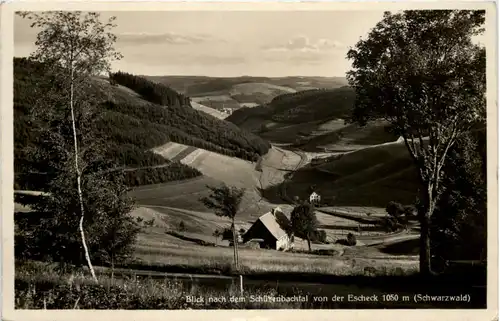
(252, 161)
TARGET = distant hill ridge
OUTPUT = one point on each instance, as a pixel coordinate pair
(236, 92)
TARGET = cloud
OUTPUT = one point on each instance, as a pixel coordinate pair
(171, 38)
(304, 44)
(182, 57)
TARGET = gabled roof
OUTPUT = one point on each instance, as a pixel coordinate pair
(272, 225)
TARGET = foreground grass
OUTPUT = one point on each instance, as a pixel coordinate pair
(38, 286)
(202, 259)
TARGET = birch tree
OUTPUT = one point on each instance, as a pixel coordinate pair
(76, 46)
(422, 71)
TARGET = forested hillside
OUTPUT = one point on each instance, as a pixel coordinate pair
(132, 126)
(303, 106)
(150, 91)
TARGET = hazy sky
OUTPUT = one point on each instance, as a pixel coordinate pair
(226, 43)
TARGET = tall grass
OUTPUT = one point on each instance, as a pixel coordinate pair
(39, 286)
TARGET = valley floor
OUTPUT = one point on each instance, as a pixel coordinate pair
(172, 203)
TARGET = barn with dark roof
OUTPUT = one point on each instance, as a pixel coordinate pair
(271, 230)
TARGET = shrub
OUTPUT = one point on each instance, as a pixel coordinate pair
(319, 236)
(370, 270)
(150, 222)
(351, 239)
(227, 234)
(394, 209)
(410, 211)
(391, 224)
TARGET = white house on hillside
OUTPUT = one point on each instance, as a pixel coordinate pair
(314, 198)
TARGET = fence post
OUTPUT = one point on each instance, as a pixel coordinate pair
(241, 284)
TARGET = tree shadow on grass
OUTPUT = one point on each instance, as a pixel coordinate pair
(273, 193)
(365, 228)
(408, 247)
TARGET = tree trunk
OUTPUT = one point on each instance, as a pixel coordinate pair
(425, 245)
(309, 242)
(112, 268)
(425, 233)
(237, 253)
(234, 245)
(78, 181)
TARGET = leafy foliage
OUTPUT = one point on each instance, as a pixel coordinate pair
(187, 126)
(459, 224)
(174, 171)
(54, 223)
(153, 92)
(319, 236)
(129, 129)
(127, 139)
(304, 222)
(80, 200)
(421, 71)
(395, 209)
(216, 234)
(225, 201)
(351, 239)
(227, 234)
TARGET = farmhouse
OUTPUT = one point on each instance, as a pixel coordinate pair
(314, 198)
(271, 228)
(228, 111)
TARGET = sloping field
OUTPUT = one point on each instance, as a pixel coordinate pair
(249, 94)
(281, 159)
(316, 136)
(359, 160)
(170, 150)
(208, 110)
(227, 169)
(280, 132)
(169, 218)
(259, 87)
(254, 92)
(213, 96)
(217, 101)
(337, 136)
(118, 92)
(218, 168)
(185, 196)
(182, 194)
(249, 105)
(370, 177)
(231, 170)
